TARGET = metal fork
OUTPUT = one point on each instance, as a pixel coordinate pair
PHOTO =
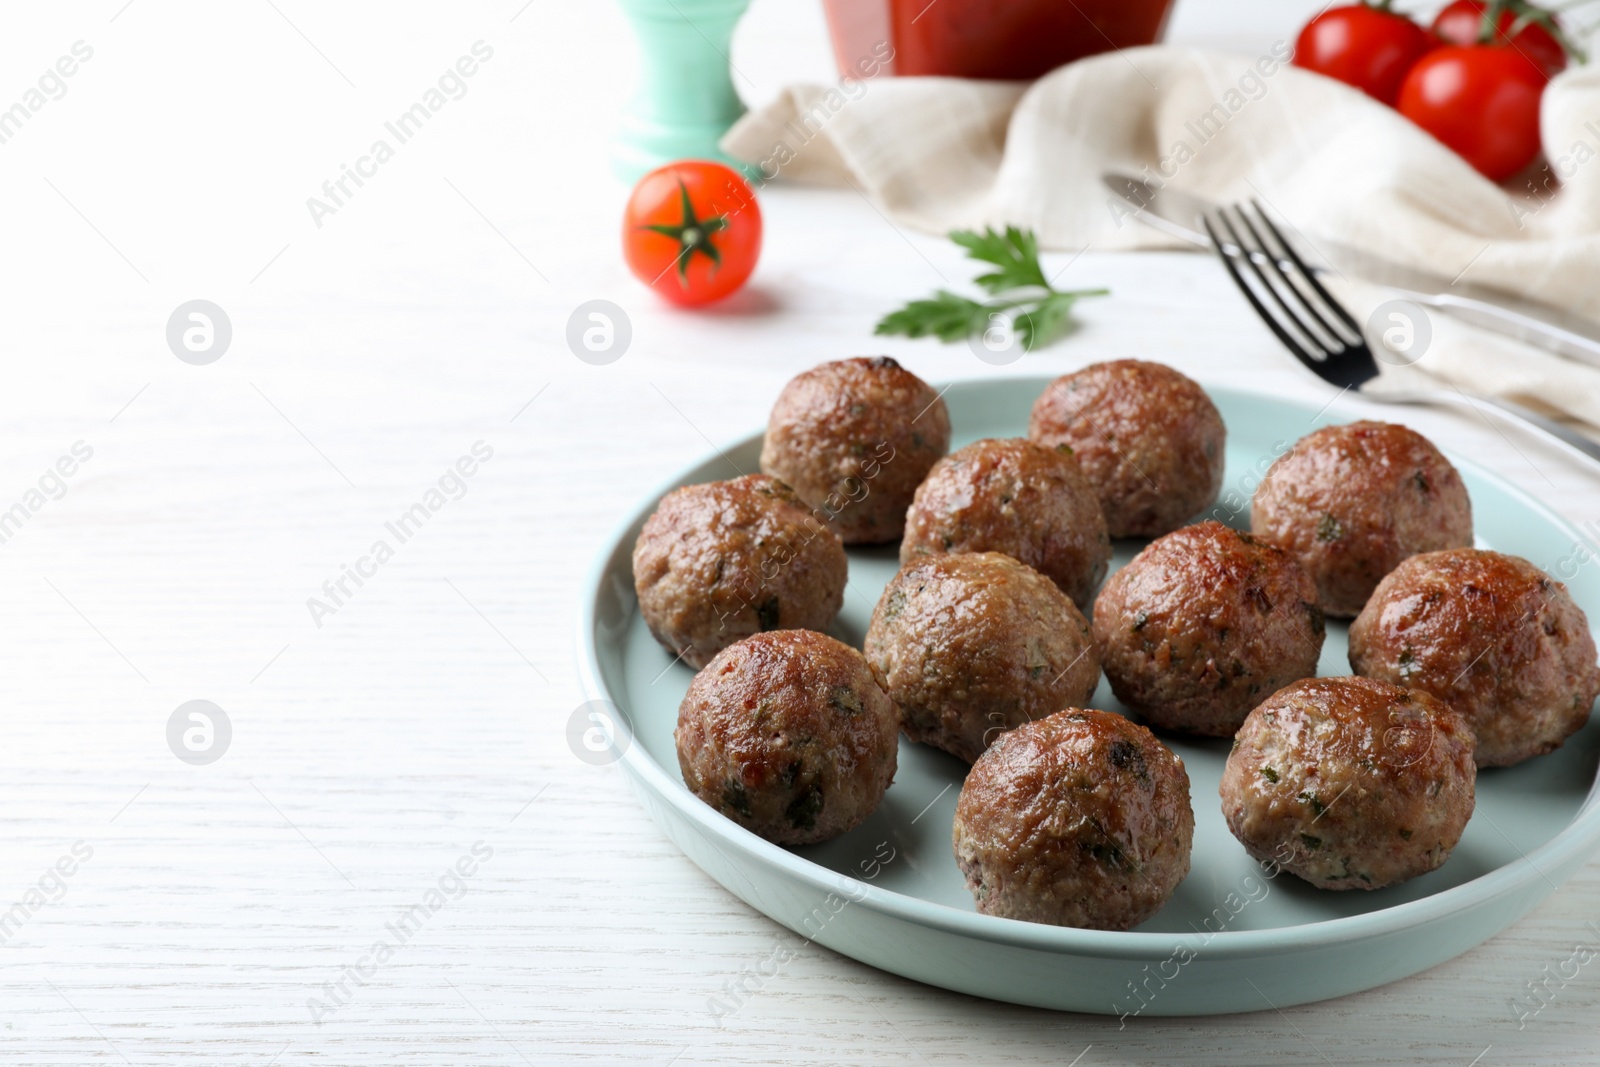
(1321, 333)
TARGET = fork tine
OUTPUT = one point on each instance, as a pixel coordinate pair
(1300, 265)
(1272, 275)
(1308, 311)
(1311, 341)
(1290, 342)
(1349, 366)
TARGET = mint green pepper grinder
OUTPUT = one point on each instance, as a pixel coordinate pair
(685, 101)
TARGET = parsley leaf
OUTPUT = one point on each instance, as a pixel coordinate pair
(947, 316)
(1039, 312)
(1049, 320)
(1015, 252)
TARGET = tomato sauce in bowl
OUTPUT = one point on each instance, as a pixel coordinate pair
(996, 39)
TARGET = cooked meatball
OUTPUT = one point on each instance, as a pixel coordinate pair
(855, 438)
(1494, 637)
(788, 735)
(1350, 783)
(1351, 502)
(969, 646)
(1078, 819)
(723, 560)
(1148, 439)
(1016, 497)
(1203, 625)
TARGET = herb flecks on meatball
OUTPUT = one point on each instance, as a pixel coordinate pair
(789, 735)
(1017, 497)
(724, 560)
(1203, 625)
(970, 646)
(1078, 819)
(1147, 437)
(855, 438)
(1350, 783)
(1491, 635)
(1350, 502)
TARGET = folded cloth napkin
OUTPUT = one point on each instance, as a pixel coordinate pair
(944, 153)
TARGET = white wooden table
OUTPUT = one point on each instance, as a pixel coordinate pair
(228, 913)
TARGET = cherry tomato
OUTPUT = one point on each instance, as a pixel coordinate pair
(692, 231)
(1369, 47)
(1482, 101)
(1462, 23)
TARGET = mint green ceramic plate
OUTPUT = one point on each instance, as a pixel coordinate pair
(888, 893)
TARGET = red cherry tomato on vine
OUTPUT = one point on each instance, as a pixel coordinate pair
(692, 231)
(1482, 101)
(1462, 23)
(1369, 47)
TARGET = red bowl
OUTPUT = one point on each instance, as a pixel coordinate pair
(1000, 39)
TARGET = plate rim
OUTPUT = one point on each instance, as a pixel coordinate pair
(1575, 841)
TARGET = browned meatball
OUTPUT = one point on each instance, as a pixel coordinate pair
(1016, 497)
(969, 646)
(1494, 637)
(1203, 625)
(1350, 783)
(1078, 819)
(789, 735)
(1147, 437)
(855, 438)
(1351, 502)
(723, 560)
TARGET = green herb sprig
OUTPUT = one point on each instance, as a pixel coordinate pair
(1042, 313)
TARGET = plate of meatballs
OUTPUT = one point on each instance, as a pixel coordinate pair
(1108, 693)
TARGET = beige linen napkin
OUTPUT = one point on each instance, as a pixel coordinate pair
(941, 153)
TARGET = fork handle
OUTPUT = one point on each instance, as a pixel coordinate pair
(1561, 435)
